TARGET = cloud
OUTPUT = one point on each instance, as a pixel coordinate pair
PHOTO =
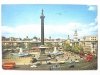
(22, 30)
(35, 30)
(55, 31)
(92, 8)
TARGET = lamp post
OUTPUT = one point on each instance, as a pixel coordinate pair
(93, 44)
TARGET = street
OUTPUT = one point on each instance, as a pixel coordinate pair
(83, 65)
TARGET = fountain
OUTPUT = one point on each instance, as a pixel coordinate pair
(56, 52)
(20, 53)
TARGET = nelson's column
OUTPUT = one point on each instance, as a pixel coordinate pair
(42, 48)
(42, 27)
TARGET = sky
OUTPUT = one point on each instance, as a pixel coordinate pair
(61, 20)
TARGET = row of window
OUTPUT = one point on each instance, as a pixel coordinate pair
(93, 38)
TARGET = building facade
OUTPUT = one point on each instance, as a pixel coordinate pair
(90, 44)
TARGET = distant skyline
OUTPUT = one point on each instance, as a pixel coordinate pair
(21, 20)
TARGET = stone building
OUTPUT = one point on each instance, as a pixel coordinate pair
(90, 43)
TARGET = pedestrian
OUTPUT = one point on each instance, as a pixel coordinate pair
(50, 67)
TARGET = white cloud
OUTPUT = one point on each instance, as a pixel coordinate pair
(22, 30)
(55, 31)
(92, 8)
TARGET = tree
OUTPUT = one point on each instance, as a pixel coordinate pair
(77, 49)
(30, 45)
(66, 46)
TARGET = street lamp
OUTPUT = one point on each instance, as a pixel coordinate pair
(93, 44)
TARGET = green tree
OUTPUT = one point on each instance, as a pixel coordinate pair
(30, 45)
(66, 46)
(77, 49)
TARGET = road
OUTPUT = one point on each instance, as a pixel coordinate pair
(83, 65)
